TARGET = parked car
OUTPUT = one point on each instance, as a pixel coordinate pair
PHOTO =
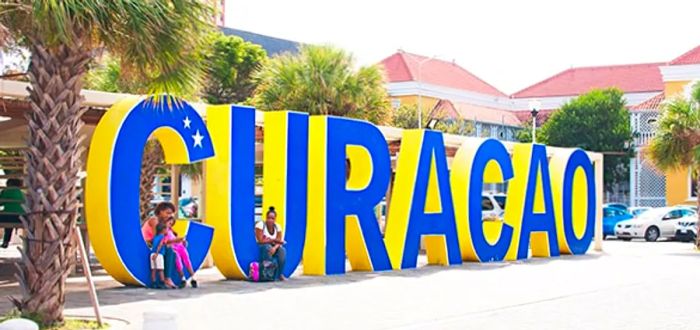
(692, 207)
(493, 206)
(687, 231)
(617, 205)
(654, 224)
(638, 210)
(611, 216)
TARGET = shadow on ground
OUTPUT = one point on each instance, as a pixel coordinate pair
(111, 292)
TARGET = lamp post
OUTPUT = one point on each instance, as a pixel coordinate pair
(534, 106)
(420, 89)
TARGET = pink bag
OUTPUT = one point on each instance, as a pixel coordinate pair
(254, 271)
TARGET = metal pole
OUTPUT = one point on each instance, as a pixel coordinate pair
(420, 101)
(598, 233)
(534, 128)
(88, 275)
(420, 90)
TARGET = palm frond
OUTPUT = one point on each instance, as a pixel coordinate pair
(161, 40)
(678, 136)
(322, 80)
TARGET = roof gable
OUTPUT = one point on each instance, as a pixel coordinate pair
(690, 57)
(653, 103)
(632, 78)
(403, 67)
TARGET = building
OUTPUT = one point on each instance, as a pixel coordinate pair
(435, 84)
(679, 75)
(273, 46)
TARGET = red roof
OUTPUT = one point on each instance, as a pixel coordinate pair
(691, 57)
(403, 66)
(478, 113)
(653, 103)
(631, 78)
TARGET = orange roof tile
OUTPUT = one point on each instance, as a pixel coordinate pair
(629, 78)
(483, 114)
(653, 103)
(690, 57)
(402, 66)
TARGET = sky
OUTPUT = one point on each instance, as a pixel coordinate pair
(510, 44)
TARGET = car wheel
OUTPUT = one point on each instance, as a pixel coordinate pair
(652, 234)
(626, 239)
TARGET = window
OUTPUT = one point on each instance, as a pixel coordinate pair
(607, 213)
(486, 204)
(675, 214)
(395, 103)
(687, 213)
(501, 200)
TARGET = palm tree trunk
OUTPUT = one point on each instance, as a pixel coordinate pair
(53, 162)
(152, 158)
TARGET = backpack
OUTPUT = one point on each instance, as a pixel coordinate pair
(268, 270)
(262, 271)
(254, 271)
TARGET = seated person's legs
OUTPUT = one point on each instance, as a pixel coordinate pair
(281, 256)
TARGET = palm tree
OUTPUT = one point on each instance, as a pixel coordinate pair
(156, 39)
(322, 80)
(676, 144)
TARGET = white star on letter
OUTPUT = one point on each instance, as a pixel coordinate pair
(197, 139)
(187, 122)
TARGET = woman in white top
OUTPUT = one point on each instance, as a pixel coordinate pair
(269, 237)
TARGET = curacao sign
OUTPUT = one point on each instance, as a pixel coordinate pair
(326, 217)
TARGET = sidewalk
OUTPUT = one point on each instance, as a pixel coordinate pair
(631, 285)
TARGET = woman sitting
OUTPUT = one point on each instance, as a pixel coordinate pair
(269, 237)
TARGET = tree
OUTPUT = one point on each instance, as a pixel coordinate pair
(406, 116)
(155, 39)
(230, 62)
(322, 80)
(106, 75)
(596, 121)
(676, 144)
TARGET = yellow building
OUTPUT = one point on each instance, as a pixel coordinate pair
(679, 76)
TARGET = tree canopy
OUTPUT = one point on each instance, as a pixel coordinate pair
(322, 80)
(406, 116)
(596, 121)
(676, 143)
(230, 62)
(157, 40)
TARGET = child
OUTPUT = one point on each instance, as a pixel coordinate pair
(181, 254)
(157, 256)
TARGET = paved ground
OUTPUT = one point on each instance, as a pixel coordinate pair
(633, 285)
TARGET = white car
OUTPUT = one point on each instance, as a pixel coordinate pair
(493, 206)
(638, 210)
(687, 230)
(654, 224)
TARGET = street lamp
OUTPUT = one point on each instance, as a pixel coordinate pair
(534, 106)
(420, 88)
(432, 123)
